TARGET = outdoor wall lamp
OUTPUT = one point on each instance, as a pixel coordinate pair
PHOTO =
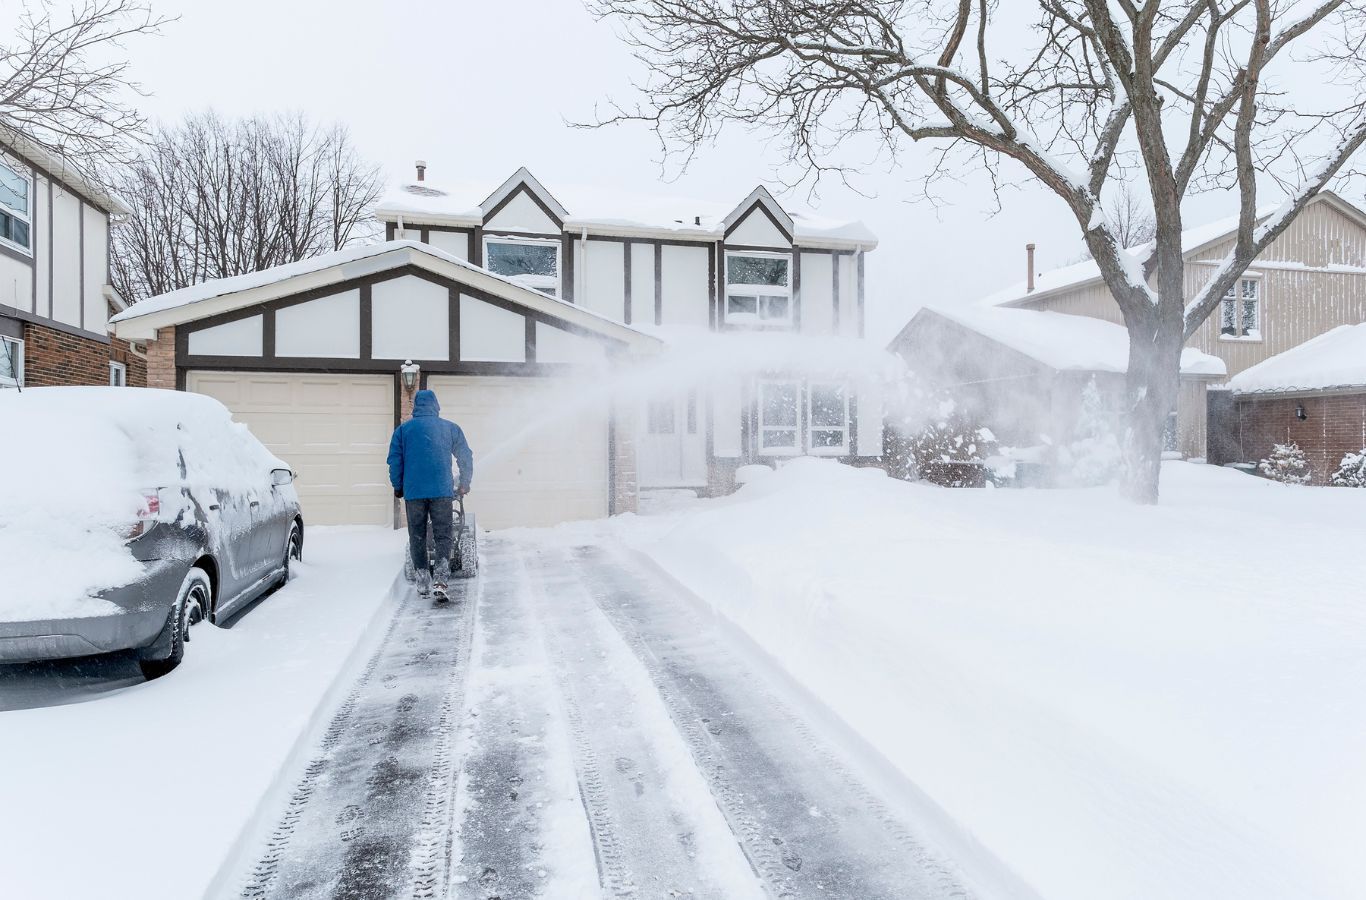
(408, 372)
(1300, 413)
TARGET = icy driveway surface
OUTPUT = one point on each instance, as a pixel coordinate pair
(593, 735)
(141, 790)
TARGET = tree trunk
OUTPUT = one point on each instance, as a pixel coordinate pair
(1152, 386)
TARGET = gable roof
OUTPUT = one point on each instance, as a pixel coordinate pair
(612, 210)
(523, 179)
(141, 320)
(760, 198)
(1193, 241)
(1062, 342)
(1332, 361)
(16, 145)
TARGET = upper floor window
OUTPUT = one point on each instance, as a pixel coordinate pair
(16, 213)
(535, 264)
(1241, 313)
(11, 362)
(758, 289)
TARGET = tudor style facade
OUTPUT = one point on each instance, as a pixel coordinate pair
(55, 296)
(677, 268)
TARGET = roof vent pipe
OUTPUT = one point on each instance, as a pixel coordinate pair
(697, 220)
(421, 170)
(1029, 268)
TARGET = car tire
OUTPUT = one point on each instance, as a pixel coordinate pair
(294, 550)
(191, 608)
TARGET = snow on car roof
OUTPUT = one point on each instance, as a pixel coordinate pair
(1334, 359)
(595, 206)
(1065, 342)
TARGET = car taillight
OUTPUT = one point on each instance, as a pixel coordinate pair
(148, 513)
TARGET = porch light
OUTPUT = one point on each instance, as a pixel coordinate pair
(1300, 413)
(408, 372)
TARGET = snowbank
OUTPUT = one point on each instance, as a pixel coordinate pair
(1116, 701)
(79, 462)
(1335, 359)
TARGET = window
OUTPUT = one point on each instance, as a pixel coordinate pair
(118, 374)
(535, 264)
(16, 214)
(828, 419)
(11, 362)
(661, 417)
(1171, 434)
(1240, 314)
(758, 291)
(779, 417)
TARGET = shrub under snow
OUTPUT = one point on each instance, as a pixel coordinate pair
(1286, 464)
(1351, 471)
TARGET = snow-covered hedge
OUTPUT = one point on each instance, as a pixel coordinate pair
(1286, 464)
(1351, 471)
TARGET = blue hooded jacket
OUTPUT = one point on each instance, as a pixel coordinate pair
(421, 449)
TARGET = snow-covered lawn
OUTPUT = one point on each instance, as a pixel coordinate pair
(143, 791)
(1114, 701)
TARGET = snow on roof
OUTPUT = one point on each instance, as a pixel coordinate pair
(1077, 274)
(64, 170)
(1064, 342)
(600, 207)
(219, 287)
(1334, 359)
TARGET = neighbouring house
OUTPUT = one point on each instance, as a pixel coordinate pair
(677, 267)
(1039, 381)
(55, 295)
(526, 322)
(1313, 395)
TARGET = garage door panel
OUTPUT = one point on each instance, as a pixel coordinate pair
(540, 457)
(333, 430)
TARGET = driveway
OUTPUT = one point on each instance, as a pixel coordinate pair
(573, 725)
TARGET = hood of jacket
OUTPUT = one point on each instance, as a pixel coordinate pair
(425, 404)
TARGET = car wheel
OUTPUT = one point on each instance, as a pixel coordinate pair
(294, 550)
(190, 609)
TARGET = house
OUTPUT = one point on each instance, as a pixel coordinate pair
(527, 322)
(1313, 395)
(1025, 374)
(55, 296)
(675, 267)
(1310, 280)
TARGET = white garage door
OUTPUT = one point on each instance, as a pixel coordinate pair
(540, 453)
(333, 430)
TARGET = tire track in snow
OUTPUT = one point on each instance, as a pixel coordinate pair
(656, 829)
(808, 825)
(350, 829)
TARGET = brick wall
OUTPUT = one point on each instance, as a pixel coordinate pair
(53, 357)
(135, 363)
(161, 360)
(1333, 426)
(626, 496)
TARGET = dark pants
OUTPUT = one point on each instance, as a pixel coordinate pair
(440, 512)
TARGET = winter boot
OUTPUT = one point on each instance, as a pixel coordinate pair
(424, 583)
(440, 580)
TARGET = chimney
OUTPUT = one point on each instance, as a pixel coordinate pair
(421, 170)
(1029, 268)
(697, 220)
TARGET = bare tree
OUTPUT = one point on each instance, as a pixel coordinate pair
(64, 81)
(1133, 223)
(213, 198)
(1175, 97)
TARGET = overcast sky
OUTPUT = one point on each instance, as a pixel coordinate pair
(478, 88)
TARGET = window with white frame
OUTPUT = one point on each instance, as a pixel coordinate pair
(828, 418)
(533, 263)
(118, 374)
(1240, 314)
(11, 362)
(660, 417)
(16, 209)
(758, 289)
(780, 413)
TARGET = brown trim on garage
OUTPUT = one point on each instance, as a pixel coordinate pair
(367, 321)
(304, 365)
(659, 284)
(453, 320)
(524, 189)
(398, 400)
(267, 334)
(626, 254)
(567, 267)
(760, 205)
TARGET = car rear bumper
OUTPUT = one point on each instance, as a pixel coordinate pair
(145, 605)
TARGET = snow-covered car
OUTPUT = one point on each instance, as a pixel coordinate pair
(128, 515)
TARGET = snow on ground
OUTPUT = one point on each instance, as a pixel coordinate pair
(142, 791)
(1116, 701)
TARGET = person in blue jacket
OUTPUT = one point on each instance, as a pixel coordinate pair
(420, 470)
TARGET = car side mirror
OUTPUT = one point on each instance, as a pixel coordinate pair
(281, 477)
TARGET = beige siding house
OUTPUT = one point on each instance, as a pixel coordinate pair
(1310, 280)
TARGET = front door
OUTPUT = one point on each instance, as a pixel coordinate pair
(671, 448)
